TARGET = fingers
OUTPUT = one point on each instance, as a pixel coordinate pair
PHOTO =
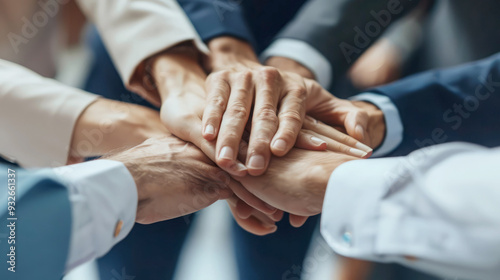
(308, 141)
(234, 121)
(218, 90)
(291, 116)
(250, 199)
(297, 221)
(264, 121)
(336, 140)
(244, 211)
(258, 224)
(356, 124)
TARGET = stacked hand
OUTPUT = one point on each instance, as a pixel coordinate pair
(271, 130)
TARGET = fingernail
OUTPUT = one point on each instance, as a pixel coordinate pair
(317, 141)
(360, 131)
(358, 153)
(279, 145)
(240, 167)
(363, 147)
(272, 208)
(273, 228)
(257, 162)
(226, 153)
(209, 129)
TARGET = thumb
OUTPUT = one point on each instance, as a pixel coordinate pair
(356, 125)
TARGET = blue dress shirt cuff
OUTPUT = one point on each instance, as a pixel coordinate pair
(393, 124)
(304, 54)
(103, 198)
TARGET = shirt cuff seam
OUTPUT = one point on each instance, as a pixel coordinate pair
(304, 54)
(394, 129)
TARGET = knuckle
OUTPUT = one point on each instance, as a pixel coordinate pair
(292, 117)
(266, 112)
(270, 74)
(219, 75)
(288, 134)
(344, 138)
(299, 91)
(341, 148)
(260, 144)
(246, 76)
(230, 137)
(238, 111)
(241, 92)
(217, 102)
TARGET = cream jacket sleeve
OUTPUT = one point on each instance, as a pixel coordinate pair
(37, 117)
(134, 30)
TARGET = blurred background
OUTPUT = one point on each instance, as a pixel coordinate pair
(61, 44)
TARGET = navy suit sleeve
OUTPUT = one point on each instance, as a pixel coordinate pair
(456, 104)
(342, 30)
(215, 18)
(41, 232)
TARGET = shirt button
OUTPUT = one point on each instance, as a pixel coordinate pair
(347, 238)
(118, 228)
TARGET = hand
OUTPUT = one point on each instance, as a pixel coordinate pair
(380, 64)
(361, 120)
(296, 183)
(180, 83)
(173, 178)
(342, 113)
(107, 125)
(259, 223)
(290, 65)
(240, 84)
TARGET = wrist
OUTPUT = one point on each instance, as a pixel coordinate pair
(376, 123)
(137, 170)
(227, 52)
(290, 65)
(174, 72)
(108, 125)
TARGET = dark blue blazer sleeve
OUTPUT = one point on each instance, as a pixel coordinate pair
(456, 104)
(215, 18)
(41, 233)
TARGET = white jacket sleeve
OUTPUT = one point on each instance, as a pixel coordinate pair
(37, 117)
(436, 210)
(134, 30)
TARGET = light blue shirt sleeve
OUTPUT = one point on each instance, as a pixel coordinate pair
(304, 54)
(103, 198)
(393, 125)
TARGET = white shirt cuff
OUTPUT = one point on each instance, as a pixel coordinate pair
(350, 221)
(103, 198)
(393, 124)
(304, 54)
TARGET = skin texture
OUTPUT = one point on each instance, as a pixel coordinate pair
(290, 65)
(296, 183)
(173, 179)
(240, 89)
(182, 85)
(107, 125)
(379, 65)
